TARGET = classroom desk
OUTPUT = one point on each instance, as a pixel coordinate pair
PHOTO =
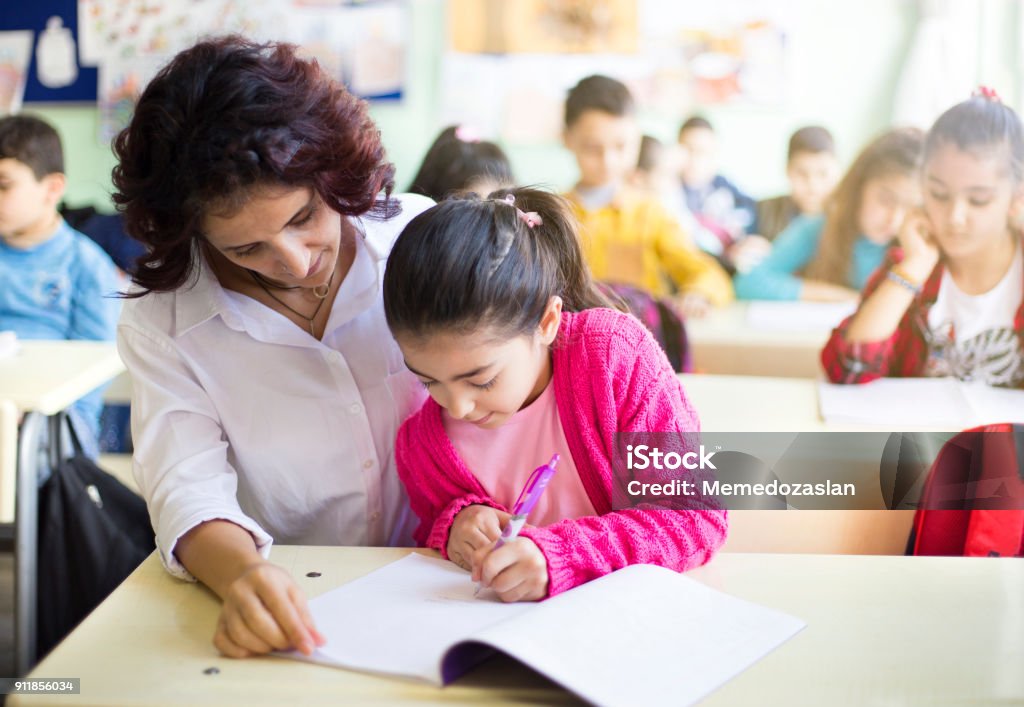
(41, 380)
(881, 630)
(742, 403)
(758, 404)
(725, 342)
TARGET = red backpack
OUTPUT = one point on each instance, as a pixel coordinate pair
(972, 503)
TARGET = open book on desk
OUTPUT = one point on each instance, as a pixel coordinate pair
(632, 637)
(941, 403)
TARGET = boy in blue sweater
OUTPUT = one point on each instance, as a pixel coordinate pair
(57, 283)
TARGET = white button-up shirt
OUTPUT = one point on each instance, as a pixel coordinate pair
(238, 414)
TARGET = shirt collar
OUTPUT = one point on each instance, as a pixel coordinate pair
(205, 298)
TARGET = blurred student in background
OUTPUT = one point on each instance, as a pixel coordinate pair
(830, 257)
(718, 204)
(459, 161)
(56, 282)
(628, 237)
(950, 300)
(812, 170)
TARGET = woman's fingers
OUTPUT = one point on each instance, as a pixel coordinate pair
(263, 611)
(288, 622)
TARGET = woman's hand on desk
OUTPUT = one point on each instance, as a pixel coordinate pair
(264, 610)
(516, 571)
(475, 527)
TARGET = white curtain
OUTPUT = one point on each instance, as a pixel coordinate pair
(942, 64)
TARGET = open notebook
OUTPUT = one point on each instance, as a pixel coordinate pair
(941, 403)
(8, 344)
(634, 636)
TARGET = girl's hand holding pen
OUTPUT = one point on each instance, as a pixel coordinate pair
(516, 571)
(475, 527)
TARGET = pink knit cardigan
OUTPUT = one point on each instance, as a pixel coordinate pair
(610, 376)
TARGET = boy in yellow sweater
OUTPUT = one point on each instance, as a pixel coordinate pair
(628, 237)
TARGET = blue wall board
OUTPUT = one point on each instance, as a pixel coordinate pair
(32, 15)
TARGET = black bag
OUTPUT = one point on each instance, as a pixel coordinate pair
(93, 531)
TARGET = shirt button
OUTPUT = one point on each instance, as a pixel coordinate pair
(368, 463)
(375, 517)
(334, 357)
(355, 408)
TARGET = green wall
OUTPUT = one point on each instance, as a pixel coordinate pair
(845, 63)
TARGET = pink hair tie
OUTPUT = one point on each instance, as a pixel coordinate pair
(530, 218)
(467, 134)
(988, 93)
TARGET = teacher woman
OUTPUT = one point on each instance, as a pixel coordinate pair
(267, 388)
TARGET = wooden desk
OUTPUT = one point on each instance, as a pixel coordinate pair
(41, 380)
(881, 630)
(758, 404)
(47, 376)
(740, 403)
(725, 342)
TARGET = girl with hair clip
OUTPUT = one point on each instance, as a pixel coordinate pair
(950, 300)
(459, 161)
(830, 257)
(495, 311)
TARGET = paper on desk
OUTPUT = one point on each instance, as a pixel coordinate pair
(945, 403)
(631, 637)
(8, 343)
(798, 316)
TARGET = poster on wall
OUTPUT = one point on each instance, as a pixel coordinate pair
(360, 43)
(54, 73)
(672, 56)
(543, 26)
(15, 52)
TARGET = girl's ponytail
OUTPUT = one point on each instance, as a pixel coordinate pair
(557, 240)
(468, 264)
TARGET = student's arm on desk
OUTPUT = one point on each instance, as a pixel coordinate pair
(773, 278)
(264, 609)
(865, 346)
(180, 464)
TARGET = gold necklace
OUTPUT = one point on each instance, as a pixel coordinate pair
(322, 297)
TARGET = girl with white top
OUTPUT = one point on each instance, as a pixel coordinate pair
(950, 300)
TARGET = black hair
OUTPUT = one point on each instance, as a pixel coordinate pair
(650, 149)
(33, 142)
(224, 117)
(810, 138)
(468, 264)
(598, 93)
(980, 124)
(452, 163)
(695, 122)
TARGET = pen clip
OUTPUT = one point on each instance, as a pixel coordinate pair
(534, 487)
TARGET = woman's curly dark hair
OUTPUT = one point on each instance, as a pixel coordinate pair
(224, 116)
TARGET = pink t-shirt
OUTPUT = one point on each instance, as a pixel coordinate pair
(502, 459)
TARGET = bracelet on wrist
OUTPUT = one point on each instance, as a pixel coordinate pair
(897, 275)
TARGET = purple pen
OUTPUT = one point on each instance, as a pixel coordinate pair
(528, 498)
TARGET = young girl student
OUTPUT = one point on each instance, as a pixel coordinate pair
(458, 160)
(493, 307)
(948, 302)
(830, 257)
